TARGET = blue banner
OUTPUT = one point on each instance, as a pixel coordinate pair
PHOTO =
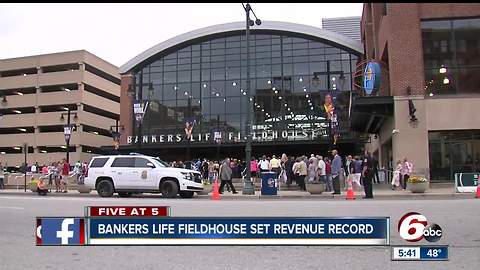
(240, 230)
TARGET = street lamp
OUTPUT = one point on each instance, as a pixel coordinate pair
(116, 135)
(67, 129)
(248, 185)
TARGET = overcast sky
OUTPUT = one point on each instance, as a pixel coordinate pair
(118, 32)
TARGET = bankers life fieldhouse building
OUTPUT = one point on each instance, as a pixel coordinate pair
(200, 77)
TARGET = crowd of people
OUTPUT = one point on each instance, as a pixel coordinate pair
(362, 171)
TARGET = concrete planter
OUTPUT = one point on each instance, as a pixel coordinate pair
(418, 187)
(315, 188)
(206, 189)
(83, 189)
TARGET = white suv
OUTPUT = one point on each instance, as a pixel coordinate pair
(128, 174)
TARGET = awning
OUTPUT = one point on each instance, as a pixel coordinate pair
(369, 113)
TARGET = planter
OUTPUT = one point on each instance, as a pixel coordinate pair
(83, 189)
(206, 189)
(32, 186)
(316, 188)
(418, 187)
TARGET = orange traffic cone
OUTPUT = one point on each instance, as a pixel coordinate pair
(478, 192)
(215, 194)
(350, 192)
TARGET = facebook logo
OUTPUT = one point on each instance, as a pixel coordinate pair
(60, 231)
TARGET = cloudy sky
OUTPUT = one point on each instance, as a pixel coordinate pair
(118, 32)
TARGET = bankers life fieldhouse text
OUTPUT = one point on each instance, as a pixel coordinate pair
(235, 229)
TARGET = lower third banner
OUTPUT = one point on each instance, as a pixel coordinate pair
(238, 231)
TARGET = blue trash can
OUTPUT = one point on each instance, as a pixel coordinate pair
(269, 183)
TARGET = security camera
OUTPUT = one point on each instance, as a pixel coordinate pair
(395, 131)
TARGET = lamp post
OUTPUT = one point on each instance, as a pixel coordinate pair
(116, 135)
(248, 185)
(67, 129)
(139, 107)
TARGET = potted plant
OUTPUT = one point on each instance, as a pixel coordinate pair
(32, 185)
(418, 184)
(315, 186)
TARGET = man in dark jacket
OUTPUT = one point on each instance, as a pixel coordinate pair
(288, 170)
(367, 174)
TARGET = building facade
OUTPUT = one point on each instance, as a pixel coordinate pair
(36, 94)
(430, 56)
(200, 78)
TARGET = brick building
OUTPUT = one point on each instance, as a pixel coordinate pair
(429, 54)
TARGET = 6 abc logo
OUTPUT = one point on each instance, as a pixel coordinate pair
(413, 227)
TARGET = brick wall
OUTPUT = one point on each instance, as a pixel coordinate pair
(126, 110)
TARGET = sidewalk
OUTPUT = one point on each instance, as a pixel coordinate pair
(379, 192)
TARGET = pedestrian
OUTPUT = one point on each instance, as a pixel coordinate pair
(226, 176)
(356, 171)
(264, 164)
(312, 169)
(2, 175)
(322, 174)
(254, 169)
(65, 173)
(407, 169)
(204, 170)
(367, 174)
(336, 171)
(397, 174)
(288, 169)
(300, 172)
(211, 172)
(328, 170)
(34, 167)
(275, 166)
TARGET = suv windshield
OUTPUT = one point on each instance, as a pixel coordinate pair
(161, 162)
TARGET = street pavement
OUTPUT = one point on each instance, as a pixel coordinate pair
(459, 219)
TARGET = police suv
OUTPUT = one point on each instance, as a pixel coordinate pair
(129, 174)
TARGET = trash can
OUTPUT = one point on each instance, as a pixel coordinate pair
(269, 183)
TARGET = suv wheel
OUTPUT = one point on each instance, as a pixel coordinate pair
(105, 188)
(186, 194)
(169, 189)
(124, 194)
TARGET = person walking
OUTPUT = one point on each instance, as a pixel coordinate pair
(275, 165)
(312, 169)
(65, 172)
(264, 164)
(226, 176)
(367, 174)
(397, 175)
(322, 174)
(328, 169)
(336, 171)
(407, 169)
(300, 172)
(254, 169)
(289, 170)
(356, 171)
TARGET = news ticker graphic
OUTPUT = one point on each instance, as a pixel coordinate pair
(146, 225)
(419, 253)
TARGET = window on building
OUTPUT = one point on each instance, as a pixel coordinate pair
(451, 54)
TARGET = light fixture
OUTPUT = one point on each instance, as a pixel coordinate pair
(217, 94)
(234, 84)
(304, 89)
(288, 109)
(442, 70)
(269, 82)
(65, 108)
(333, 79)
(446, 81)
(204, 85)
(280, 97)
(96, 133)
(17, 111)
(311, 108)
(334, 85)
(286, 105)
(23, 129)
(258, 106)
(24, 74)
(274, 88)
(43, 151)
(263, 110)
(17, 148)
(66, 89)
(306, 95)
(3, 153)
(186, 93)
(244, 93)
(431, 94)
(89, 151)
(301, 79)
(175, 88)
(276, 92)
(63, 146)
(224, 100)
(19, 93)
